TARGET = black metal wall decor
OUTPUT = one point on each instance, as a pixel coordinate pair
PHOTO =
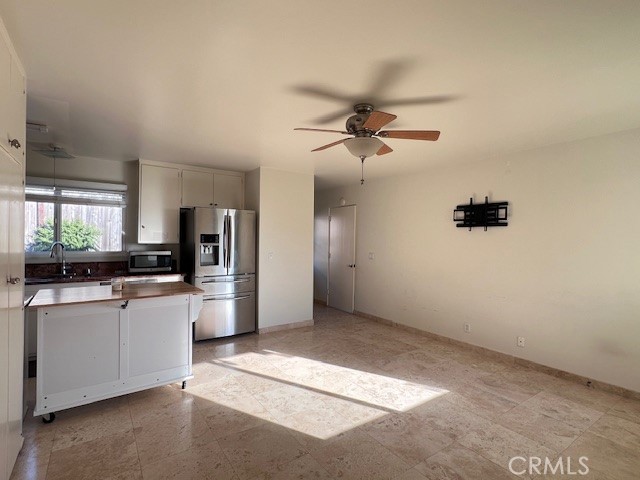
(481, 214)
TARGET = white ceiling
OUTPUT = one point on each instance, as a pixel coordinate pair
(218, 82)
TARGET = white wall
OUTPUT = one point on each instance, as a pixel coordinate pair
(285, 245)
(565, 273)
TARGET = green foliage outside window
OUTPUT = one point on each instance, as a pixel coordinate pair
(76, 236)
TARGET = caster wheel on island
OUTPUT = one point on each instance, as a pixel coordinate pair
(51, 417)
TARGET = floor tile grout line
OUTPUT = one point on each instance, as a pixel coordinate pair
(459, 445)
(551, 418)
(388, 450)
(135, 438)
(486, 458)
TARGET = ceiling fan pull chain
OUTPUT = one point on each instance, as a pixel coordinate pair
(362, 175)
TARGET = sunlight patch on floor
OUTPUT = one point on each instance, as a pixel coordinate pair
(309, 396)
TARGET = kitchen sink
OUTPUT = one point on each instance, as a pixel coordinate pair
(53, 278)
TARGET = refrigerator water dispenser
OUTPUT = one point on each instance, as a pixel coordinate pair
(209, 250)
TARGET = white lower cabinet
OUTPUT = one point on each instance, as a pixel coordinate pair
(31, 317)
(93, 351)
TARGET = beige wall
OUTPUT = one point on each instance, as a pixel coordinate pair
(284, 201)
(565, 273)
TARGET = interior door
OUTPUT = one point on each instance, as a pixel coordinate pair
(342, 258)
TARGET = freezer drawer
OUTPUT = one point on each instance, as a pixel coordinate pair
(226, 284)
(224, 315)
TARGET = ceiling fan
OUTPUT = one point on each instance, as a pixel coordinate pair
(53, 151)
(365, 128)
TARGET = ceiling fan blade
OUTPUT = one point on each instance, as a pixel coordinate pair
(330, 117)
(388, 73)
(384, 149)
(411, 134)
(323, 92)
(321, 130)
(377, 120)
(430, 100)
(324, 147)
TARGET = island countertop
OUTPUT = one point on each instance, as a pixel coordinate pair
(78, 295)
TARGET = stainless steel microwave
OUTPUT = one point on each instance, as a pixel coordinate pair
(144, 262)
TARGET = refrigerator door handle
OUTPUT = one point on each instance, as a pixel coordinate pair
(225, 298)
(230, 230)
(224, 243)
(243, 297)
(243, 280)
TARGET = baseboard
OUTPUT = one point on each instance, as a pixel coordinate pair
(320, 302)
(286, 326)
(506, 358)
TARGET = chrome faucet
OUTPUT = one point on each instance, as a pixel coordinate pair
(63, 265)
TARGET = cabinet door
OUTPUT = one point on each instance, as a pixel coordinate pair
(18, 107)
(78, 348)
(197, 189)
(11, 321)
(159, 337)
(228, 191)
(159, 210)
(5, 200)
(16, 315)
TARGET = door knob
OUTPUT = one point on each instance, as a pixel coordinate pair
(15, 143)
(13, 280)
(352, 266)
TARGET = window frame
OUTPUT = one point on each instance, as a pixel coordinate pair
(58, 200)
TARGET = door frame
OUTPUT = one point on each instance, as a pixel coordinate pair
(355, 219)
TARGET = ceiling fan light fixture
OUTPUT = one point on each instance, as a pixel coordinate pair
(363, 146)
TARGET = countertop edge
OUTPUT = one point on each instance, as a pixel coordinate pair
(85, 295)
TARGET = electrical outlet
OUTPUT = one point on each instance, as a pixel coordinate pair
(467, 328)
(520, 342)
(372, 255)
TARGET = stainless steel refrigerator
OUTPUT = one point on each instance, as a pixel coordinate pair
(218, 255)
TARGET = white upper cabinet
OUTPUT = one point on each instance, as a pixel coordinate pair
(207, 188)
(228, 190)
(159, 209)
(197, 188)
(165, 187)
(12, 105)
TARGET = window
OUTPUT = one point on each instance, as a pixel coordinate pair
(85, 217)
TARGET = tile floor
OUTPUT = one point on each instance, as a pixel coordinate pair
(347, 398)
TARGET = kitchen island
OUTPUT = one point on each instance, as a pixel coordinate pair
(96, 343)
